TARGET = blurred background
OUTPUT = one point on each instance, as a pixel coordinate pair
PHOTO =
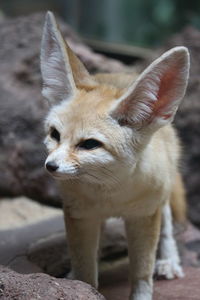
(132, 22)
(123, 29)
(108, 36)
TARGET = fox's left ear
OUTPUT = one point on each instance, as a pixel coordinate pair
(154, 98)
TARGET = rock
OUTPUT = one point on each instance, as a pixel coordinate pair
(42, 286)
(190, 249)
(22, 211)
(16, 245)
(113, 239)
(22, 108)
(187, 121)
(42, 246)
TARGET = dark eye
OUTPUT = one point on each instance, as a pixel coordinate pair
(89, 144)
(55, 134)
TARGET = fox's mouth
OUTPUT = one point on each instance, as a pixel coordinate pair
(64, 176)
(76, 176)
(62, 172)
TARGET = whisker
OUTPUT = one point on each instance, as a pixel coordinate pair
(111, 176)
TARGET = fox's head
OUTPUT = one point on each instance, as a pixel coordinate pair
(95, 131)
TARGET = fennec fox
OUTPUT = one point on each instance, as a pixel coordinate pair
(114, 153)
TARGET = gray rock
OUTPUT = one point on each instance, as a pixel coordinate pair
(21, 211)
(190, 252)
(21, 244)
(42, 286)
(113, 241)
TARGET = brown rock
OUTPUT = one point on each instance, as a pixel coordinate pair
(41, 286)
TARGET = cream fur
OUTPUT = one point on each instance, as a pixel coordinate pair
(132, 174)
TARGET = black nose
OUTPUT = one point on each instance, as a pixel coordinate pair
(51, 166)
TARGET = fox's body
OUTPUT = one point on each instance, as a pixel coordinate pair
(115, 154)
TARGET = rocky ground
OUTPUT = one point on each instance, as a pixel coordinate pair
(32, 241)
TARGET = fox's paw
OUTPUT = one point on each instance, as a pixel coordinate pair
(168, 269)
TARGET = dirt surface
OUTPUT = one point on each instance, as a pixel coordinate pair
(115, 286)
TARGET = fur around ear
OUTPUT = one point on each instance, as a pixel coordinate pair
(62, 71)
(155, 96)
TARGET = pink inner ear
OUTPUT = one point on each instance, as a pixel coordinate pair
(157, 92)
(167, 93)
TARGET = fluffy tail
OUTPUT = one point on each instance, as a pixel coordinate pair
(178, 201)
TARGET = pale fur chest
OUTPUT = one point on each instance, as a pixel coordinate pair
(132, 198)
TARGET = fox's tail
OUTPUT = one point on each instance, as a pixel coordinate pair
(178, 201)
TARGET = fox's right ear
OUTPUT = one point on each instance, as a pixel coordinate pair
(62, 71)
(58, 82)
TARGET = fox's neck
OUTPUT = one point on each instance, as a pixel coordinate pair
(122, 182)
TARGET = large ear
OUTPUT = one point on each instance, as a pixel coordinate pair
(156, 94)
(62, 71)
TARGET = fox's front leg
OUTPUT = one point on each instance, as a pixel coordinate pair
(142, 235)
(83, 239)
